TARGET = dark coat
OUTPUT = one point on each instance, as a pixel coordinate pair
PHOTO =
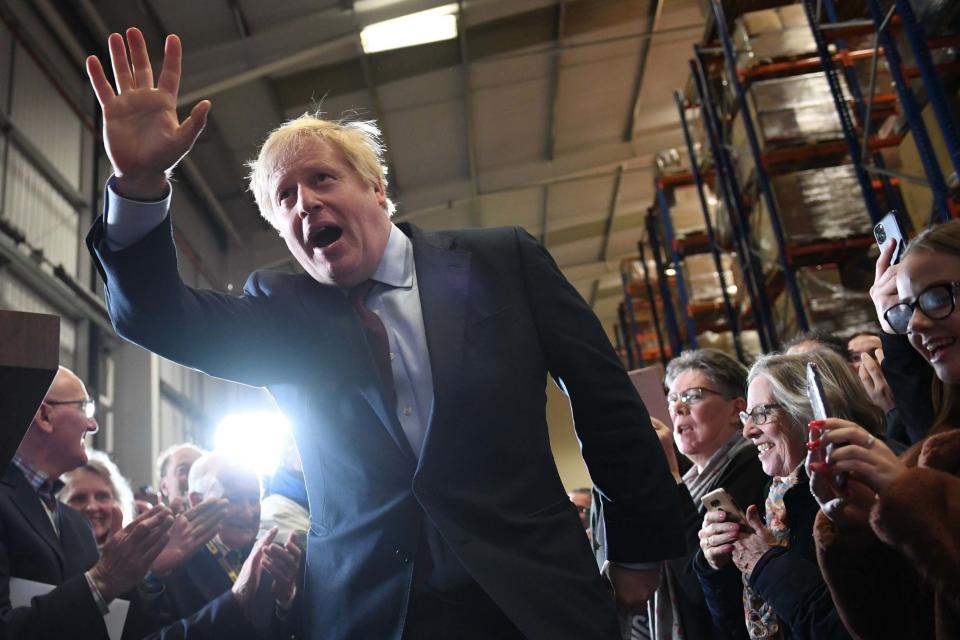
(31, 549)
(897, 575)
(787, 578)
(498, 316)
(746, 482)
(909, 377)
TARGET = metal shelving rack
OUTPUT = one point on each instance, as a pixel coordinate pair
(729, 189)
(733, 324)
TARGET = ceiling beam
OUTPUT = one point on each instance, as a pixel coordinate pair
(553, 91)
(469, 130)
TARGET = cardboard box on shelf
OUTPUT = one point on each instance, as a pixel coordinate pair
(749, 340)
(829, 305)
(702, 280)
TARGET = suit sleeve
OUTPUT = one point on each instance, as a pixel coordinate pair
(642, 516)
(68, 611)
(220, 618)
(149, 304)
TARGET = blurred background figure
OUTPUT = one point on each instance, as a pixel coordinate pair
(864, 342)
(285, 506)
(94, 489)
(582, 499)
(174, 465)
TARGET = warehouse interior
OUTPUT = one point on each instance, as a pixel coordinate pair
(704, 173)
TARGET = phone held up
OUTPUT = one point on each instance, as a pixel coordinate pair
(821, 411)
(720, 500)
(890, 228)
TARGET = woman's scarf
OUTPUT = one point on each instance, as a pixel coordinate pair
(762, 622)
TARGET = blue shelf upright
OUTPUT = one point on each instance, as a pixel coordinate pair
(670, 317)
(677, 263)
(846, 121)
(763, 177)
(728, 308)
(910, 106)
(653, 304)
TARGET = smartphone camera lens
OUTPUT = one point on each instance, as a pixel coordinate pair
(714, 503)
(880, 233)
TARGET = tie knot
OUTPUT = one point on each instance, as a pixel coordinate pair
(358, 294)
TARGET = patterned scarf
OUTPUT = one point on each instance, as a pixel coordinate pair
(762, 622)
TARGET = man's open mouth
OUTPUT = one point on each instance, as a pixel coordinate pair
(325, 236)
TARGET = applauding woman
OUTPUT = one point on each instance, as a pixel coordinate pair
(761, 578)
(889, 542)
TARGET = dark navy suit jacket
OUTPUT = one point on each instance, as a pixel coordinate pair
(499, 316)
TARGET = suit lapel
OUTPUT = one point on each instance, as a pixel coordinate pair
(443, 277)
(28, 502)
(332, 305)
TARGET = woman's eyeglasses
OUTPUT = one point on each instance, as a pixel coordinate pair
(690, 396)
(936, 302)
(759, 414)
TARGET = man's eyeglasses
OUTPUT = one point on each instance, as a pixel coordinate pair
(759, 414)
(936, 302)
(87, 406)
(690, 396)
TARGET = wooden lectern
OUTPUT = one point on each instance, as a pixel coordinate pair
(29, 357)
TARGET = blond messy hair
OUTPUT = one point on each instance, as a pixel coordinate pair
(359, 141)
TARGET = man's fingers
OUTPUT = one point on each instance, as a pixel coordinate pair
(140, 59)
(206, 509)
(98, 79)
(116, 520)
(191, 127)
(169, 81)
(119, 62)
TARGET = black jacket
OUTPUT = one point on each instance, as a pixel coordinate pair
(787, 578)
(909, 377)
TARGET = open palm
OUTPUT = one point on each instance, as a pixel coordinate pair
(142, 133)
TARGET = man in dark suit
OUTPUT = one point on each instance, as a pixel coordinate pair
(43, 540)
(412, 366)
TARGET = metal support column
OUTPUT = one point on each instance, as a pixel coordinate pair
(631, 321)
(917, 40)
(739, 220)
(862, 109)
(789, 273)
(653, 304)
(843, 112)
(711, 236)
(670, 318)
(671, 245)
(629, 330)
(911, 110)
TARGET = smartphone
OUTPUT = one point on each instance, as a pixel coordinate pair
(720, 500)
(821, 411)
(889, 228)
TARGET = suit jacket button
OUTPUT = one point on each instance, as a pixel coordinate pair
(401, 556)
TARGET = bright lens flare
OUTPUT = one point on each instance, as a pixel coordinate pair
(256, 440)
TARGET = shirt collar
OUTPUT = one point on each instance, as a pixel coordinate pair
(39, 480)
(396, 265)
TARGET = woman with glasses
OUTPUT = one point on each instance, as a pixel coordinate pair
(762, 580)
(706, 393)
(896, 523)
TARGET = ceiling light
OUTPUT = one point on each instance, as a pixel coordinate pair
(432, 25)
(669, 272)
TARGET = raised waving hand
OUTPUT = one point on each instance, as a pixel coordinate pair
(142, 133)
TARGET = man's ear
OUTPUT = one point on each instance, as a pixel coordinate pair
(41, 420)
(380, 192)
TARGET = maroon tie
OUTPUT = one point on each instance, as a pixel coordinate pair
(376, 335)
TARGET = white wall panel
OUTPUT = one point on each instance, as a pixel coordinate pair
(41, 213)
(16, 295)
(44, 117)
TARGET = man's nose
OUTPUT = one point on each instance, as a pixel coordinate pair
(92, 426)
(307, 200)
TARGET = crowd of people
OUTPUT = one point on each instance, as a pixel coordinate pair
(845, 527)
(425, 502)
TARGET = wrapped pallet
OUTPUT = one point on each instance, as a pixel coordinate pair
(772, 34)
(829, 305)
(702, 280)
(815, 205)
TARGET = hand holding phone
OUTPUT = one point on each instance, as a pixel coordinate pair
(890, 228)
(720, 500)
(821, 411)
